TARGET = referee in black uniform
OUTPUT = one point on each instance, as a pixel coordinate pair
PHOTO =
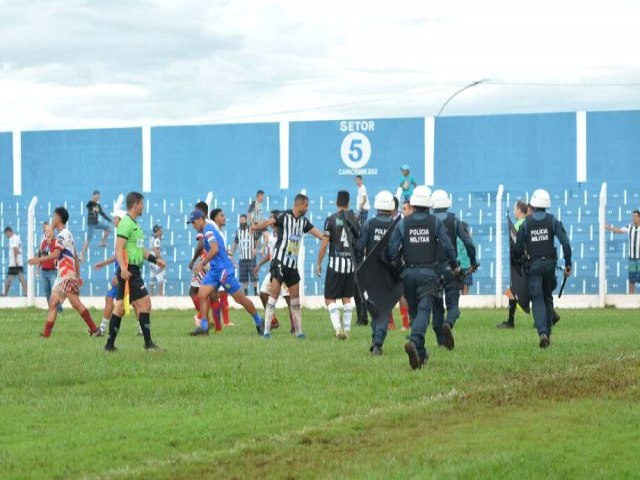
(340, 229)
(245, 241)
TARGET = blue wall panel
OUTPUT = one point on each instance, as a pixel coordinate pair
(6, 164)
(613, 147)
(322, 154)
(70, 164)
(227, 159)
(478, 153)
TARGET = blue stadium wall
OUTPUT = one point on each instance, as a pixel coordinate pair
(471, 157)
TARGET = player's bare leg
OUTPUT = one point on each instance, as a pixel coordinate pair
(296, 311)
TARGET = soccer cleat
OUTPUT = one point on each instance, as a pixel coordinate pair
(415, 362)
(103, 327)
(544, 341)
(95, 333)
(347, 334)
(447, 337)
(152, 347)
(506, 324)
(139, 334)
(266, 336)
(110, 348)
(274, 323)
(339, 335)
(199, 332)
(301, 336)
(556, 317)
(230, 324)
(376, 351)
(260, 328)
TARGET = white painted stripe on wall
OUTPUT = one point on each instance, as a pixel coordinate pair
(284, 155)
(16, 140)
(146, 159)
(429, 150)
(581, 146)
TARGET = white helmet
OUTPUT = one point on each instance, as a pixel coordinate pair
(540, 199)
(421, 197)
(384, 201)
(440, 199)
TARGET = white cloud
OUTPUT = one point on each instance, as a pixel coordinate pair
(74, 64)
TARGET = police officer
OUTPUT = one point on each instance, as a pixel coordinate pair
(451, 284)
(372, 232)
(535, 242)
(415, 240)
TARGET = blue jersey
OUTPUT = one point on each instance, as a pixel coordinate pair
(221, 261)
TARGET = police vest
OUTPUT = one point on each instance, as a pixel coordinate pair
(378, 227)
(540, 233)
(420, 243)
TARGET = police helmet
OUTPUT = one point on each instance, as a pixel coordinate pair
(421, 197)
(384, 201)
(440, 199)
(540, 199)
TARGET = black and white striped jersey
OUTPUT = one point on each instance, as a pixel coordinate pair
(290, 233)
(246, 243)
(340, 249)
(634, 241)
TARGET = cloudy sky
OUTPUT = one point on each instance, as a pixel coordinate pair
(76, 64)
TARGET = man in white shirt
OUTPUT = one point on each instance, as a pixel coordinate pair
(362, 201)
(633, 230)
(15, 261)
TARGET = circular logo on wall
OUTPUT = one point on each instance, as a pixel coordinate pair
(355, 150)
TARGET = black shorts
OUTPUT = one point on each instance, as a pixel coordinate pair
(338, 285)
(245, 270)
(13, 271)
(289, 276)
(137, 289)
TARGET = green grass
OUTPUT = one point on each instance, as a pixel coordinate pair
(234, 406)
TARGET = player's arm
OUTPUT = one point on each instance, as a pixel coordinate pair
(266, 259)
(196, 253)
(561, 233)
(104, 215)
(263, 225)
(213, 251)
(613, 229)
(121, 243)
(156, 252)
(104, 263)
(55, 255)
(15, 254)
(322, 252)
(234, 247)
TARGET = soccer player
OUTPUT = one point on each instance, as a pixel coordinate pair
(158, 274)
(292, 225)
(339, 232)
(94, 212)
(198, 255)
(15, 261)
(633, 230)
(110, 297)
(265, 288)
(221, 271)
(68, 283)
(245, 242)
(130, 253)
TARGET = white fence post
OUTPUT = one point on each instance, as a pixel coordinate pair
(499, 222)
(31, 240)
(208, 200)
(602, 251)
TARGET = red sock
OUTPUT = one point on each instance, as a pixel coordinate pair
(392, 325)
(196, 303)
(86, 316)
(48, 326)
(224, 303)
(215, 308)
(404, 311)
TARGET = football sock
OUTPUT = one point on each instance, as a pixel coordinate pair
(334, 315)
(404, 311)
(297, 315)
(114, 328)
(348, 315)
(86, 316)
(145, 325)
(268, 314)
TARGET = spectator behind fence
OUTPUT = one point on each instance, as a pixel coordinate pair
(47, 271)
(633, 229)
(15, 261)
(362, 201)
(94, 212)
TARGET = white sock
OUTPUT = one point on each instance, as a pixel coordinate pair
(269, 311)
(334, 315)
(348, 314)
(297, 315)
(105, 321)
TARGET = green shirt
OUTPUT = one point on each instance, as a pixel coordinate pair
(463, 258)
(406, 183)
(129, 229)
(518, 224)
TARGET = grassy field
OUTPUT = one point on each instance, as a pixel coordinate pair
(234, 406)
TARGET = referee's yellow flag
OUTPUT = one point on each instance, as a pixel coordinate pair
(127, 304)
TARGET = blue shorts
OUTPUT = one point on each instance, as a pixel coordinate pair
(634, 270)
(222, 278)
(112, 292)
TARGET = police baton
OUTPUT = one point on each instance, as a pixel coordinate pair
(564, 282)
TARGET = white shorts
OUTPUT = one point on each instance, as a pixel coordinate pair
(159, 278)
(266, 287)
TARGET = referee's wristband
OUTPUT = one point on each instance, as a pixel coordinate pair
(152, 258)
